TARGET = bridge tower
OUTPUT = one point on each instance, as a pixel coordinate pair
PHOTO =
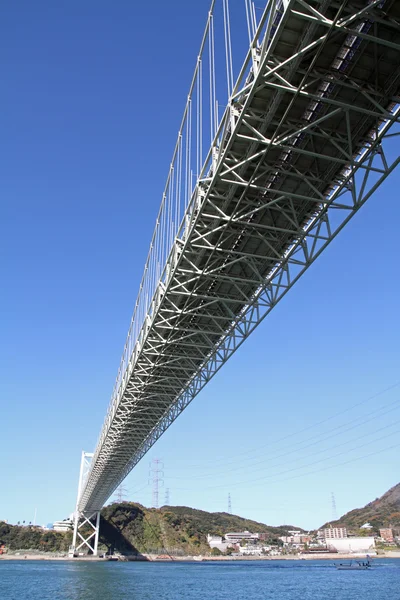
(86, 524)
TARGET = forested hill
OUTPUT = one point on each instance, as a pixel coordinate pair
(130, 527)
(176, 529)
(27, 537)
(381, 512)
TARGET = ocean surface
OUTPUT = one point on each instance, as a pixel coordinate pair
(255, 580)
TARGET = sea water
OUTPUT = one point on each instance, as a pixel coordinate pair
(241, 580)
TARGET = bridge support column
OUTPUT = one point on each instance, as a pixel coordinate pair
(86, 524)
(86, 532)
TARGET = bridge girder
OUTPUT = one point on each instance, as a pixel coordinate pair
(299, 150)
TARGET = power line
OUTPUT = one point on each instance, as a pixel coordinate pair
(363, 457)
(140, 489)
(313, 443)
(299, 468)
(374, 412)
(309, 464)
(234, 458)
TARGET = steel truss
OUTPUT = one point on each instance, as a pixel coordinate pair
(301, 147)
(86, 523)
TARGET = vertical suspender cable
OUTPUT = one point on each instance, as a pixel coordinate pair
(156, 250)
(178, 191)
(163, 236)
(253, 12)
(213, 78)
(248, 19)
(228, 48)
(201, 115)
(210, 58)
(180, 177)
(229, 43)
(190, 146)
(170, 215)
(187, 162)
(176, 185)
(198, 119)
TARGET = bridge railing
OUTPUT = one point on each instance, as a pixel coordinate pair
(201, 134)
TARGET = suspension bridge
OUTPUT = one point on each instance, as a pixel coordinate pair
(258, 186)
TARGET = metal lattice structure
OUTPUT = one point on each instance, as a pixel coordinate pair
(302, 144)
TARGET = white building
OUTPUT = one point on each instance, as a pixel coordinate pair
(62, 526)
(215, 541)
(352, 544)
(251, 549)
(233, 539)
(237, 537)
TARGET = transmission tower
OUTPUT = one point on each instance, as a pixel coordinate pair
(334, 511)
(229, 504)
(166, 499)
(121, 493)
(156, 475)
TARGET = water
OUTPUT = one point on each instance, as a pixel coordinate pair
(255, 580)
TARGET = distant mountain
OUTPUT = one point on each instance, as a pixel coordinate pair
(381, 512)
(128, 526)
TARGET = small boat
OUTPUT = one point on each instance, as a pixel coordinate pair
(112, 557)
(353, 566)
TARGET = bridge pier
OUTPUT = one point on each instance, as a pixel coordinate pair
(86, 524)
(89, 536)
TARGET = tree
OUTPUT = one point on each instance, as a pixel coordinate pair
(216, 552)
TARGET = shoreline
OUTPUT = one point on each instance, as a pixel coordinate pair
(153, 558)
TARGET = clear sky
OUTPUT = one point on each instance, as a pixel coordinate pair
(92, 96)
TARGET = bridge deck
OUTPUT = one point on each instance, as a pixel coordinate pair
(323, 87)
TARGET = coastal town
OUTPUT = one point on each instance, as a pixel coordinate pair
(323, 543)
(330, 540)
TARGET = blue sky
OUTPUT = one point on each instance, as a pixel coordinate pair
(92, 99)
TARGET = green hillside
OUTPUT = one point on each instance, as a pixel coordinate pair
(17, 537)
(172, 529)
(129, 527)
(381, 512)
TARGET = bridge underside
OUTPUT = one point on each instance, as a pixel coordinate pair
(300, 148)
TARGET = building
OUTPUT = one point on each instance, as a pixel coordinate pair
(387, 535)
(351, 544)
(251, 550)
(237, 537)
(366, 526)
(62, 526)
(232, 540)
(335, 533)
(297, 539)
(216, 541)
